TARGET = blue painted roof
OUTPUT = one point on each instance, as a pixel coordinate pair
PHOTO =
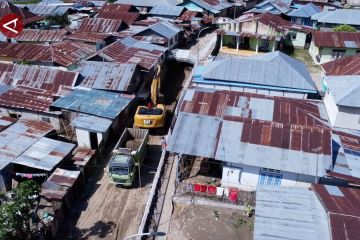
(305, 11)
(92, 123)
(95, 102)
(166, 10)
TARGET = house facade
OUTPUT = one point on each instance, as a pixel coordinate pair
(328, 46)
(262, 32)
(342, 101)
(329, 19)
(303, 14)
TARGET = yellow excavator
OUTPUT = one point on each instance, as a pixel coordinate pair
(152, 115)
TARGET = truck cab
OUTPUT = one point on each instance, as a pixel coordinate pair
(121, 169)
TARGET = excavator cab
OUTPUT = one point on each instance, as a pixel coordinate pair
(152, 115)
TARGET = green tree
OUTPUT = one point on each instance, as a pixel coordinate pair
(57, 19)
(15, 211)
(344, 28)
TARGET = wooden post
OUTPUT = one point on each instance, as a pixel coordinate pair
(257, 45)
(237, 43)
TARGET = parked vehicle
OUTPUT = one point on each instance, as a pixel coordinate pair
(127, 156)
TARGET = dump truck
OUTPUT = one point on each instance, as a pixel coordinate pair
(127, 156)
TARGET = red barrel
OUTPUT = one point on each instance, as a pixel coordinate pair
(203, 188)
(233, 195)
(211, 190)
(197, 187)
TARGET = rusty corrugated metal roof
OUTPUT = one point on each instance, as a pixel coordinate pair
(349, 65)
(272, 20)
(35, 35)
(89, 37)
(26, 98)
(100, 25)
(5, 122)
(59, 184)
(107, 75)
(27, 17)
(128, 17)
(130, 50)
(82, 156)
(343, 205)
(223, 103)
(64, 53)
(46, 78)
(337, 39)
(188, 15)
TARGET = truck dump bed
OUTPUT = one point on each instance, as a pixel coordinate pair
(132, 138)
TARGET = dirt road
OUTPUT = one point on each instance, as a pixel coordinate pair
(109, 212)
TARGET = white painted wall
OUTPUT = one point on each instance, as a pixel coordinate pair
(247, 177)
(331, 108)
(83, 138)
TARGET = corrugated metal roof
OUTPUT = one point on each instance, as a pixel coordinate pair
(128, 17)
(19, 136)
(43, 9)
(35, 35)
(166, 10)
(5, 122)
(64, 53)
(188, 15)
(46, 78)
(337, 39)
(269, 19)
(107, 75)
(349, 65)
(130, 50)
(273, 6)
(268, 70)
(339, 16)
(305, 11)
(26, 98)
(95, 102)
(214, 6)
(88, 37)
(344, 211)
(27, 17)
(165, 29)
(289, 213)
(344, 89)
(287, 135)
(114, 8)
(92, 123)
(346, 155)
(242, 104)
(58, 184)
(100, 25)
(201, 132)
(83, 156)
(147, 3)
(45, 154)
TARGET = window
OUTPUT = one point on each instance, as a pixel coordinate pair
(270, 176)
(45, 119)
(337, 53)
(265, 43)
(357, 51)
(293, 37)
(14, 115)
(171, 41)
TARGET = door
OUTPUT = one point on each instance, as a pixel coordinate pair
(270, 177)
(93, 140)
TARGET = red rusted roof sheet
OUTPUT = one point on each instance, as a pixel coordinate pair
(64, 53)
(128, 17)
(83, 156)
(188, 15)
(274, 21)
(100, 25)
(89, 37)
(46, 78)
(286, 110)
(349, 65)
(337, 39)
(113, 8)
(343, 205)
(129, 50)
(5, 122)
(26, 16)
(35, 35)
(349, 141)
(21, 97)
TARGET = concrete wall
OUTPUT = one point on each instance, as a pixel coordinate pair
(54, 120)
(83, 138)
(331, 108)
(254, 90)
(247, 177)
(326, 53)
(299, 41)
